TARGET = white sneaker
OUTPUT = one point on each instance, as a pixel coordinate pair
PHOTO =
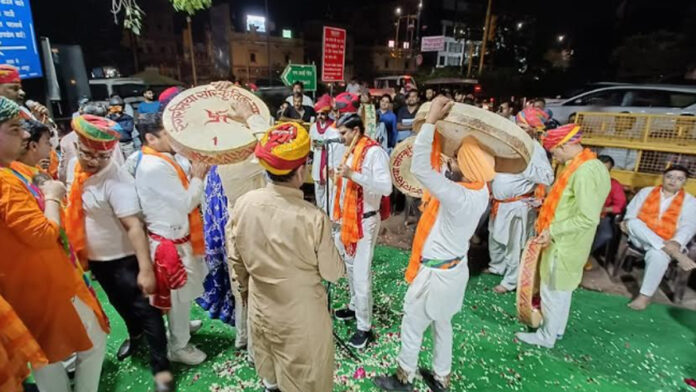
(188, 355)
(533, 339)
(195, 326)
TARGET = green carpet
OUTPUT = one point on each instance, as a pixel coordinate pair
(607, 347)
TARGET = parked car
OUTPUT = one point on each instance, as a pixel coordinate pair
(391, 85)
(130, 89)
(629, 98)
(273, 92)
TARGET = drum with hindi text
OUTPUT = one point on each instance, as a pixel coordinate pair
(203, 125)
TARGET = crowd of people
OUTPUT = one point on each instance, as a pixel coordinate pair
(112, 201)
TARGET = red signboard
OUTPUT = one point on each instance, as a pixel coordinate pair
(334, 55)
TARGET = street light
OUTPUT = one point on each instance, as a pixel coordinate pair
(560, 38)
(520, 25)
(398, 11)
(420, 5)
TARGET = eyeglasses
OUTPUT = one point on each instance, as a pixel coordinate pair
(103, 157)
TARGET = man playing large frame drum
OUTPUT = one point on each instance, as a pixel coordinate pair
(566, 225)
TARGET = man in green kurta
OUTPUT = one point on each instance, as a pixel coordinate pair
(566, 225)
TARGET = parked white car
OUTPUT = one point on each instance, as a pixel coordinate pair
(638, 98)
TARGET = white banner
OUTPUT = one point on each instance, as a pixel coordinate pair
(434, 43)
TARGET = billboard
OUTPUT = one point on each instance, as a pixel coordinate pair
(256, 23)
(435, 43)
(17, 42)
(334, 55)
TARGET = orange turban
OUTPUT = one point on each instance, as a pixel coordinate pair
(475, 163)
(283, 148)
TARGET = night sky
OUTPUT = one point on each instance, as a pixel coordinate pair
(594, 27)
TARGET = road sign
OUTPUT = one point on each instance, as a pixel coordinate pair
(434, 43)
(17, 42)
(305, 73)
(334, 55)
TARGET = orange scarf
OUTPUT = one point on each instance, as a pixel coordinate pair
(27, 171)
(352, 212)
(666, 225)
(17, 347)
(75, 216)
(195, 220)
(548, 209)
(430, 207)
(53, 165)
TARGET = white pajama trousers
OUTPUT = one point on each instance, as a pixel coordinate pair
(555, 306)
(432, 299)
(413, 328)
(320, 195)
(656, 260)
(179, 316)
(242, 336)
(359, 269)
(505, 258)
(54, 377)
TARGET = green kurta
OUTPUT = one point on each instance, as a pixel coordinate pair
(574, 225)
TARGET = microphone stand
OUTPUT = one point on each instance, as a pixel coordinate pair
(327, 194)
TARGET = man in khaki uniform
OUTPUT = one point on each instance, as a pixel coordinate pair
(280, 250)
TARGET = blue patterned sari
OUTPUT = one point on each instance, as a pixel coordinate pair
(217, 299)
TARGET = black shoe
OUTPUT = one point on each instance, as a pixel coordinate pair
(432, 382)
(360, 339)
(165, 386)
(127, 348)
(391, 383)
(345, 314)
(30, 387)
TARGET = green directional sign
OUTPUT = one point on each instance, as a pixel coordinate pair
(304, 73)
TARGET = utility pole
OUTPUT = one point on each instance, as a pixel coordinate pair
(134, 51)
(191, 51)
(268, 44)
(485, 36)
(420, 7)
(471, 58)
(396, 38)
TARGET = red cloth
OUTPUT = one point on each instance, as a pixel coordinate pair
(324, 160)
(9, 74)
(616, 199)
(569, 133)
(170, 273)
(323, 104)
(347, 103)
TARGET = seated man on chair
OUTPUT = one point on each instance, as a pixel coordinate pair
(661, 221)
(614, 205)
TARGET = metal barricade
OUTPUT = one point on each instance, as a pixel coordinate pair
(642, 145)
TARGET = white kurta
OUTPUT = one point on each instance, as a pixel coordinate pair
(166, 205)
(376, 182)
(656, 260)
(513, 224)
(436, 295)
(335, 151)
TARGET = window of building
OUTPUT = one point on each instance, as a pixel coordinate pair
(452, 61)
(441, 61)
(287, 59)
(252, 58)
(386, 63)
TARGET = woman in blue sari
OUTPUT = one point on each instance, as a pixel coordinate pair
(217, 299)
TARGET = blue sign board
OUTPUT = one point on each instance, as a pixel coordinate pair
(17, 42)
